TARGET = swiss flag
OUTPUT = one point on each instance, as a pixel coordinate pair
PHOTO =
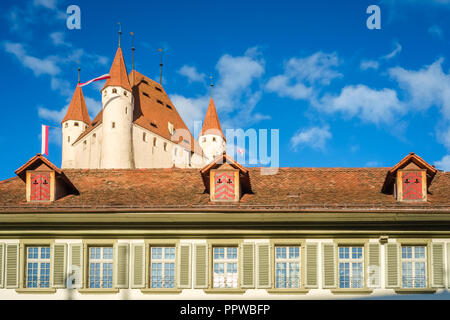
(44, 146)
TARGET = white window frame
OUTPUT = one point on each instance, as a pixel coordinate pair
(163, 261)
(232, 277)
(288, 261)
(102, 261)
(350, 262)
(39, 260)
(413, 261)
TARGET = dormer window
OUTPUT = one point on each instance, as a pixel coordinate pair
(409, 179)
(114, 90)
(170, 127)
(226, 180)
(44, 181)
(76, 124)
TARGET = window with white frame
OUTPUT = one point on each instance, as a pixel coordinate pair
(38, 267)
(414, 267)
(162, 267)
(351, 267)
(287, 267)
(225, 267)
(100, 267)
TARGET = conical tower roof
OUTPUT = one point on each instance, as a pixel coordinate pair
(77, 109)
(211, 124)
(118, 73)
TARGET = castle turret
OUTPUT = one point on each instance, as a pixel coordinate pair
(117, 101)
(212, 139)
(73, 124)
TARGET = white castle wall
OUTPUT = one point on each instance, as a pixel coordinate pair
(71, 130)
(212, 145)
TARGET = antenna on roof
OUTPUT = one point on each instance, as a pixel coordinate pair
(132, 54)
(120, 32)
(160, 66)
(212, 86)
(79, 71)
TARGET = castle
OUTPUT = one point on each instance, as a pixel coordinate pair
(137, 127)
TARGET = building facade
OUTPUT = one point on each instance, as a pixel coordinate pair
(224, 232)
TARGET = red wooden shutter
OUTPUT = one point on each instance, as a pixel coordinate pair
(40, 186)
(412, 185)
(224, 186)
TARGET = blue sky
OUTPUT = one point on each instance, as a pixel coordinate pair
(339, 93)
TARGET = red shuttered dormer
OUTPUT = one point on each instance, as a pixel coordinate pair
(225, 179)
(409, 179)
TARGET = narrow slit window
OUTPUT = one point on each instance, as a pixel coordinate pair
(76, 124)
(113, 125)
(114, 90)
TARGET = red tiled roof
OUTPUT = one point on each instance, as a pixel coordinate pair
(77, 109)
(290, 188)
(211, 124)
(95, 123)
(118, 73)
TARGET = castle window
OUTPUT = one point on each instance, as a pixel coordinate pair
(68, 138)
(165, 146)
(153, 124)
(144, 81)
(146, 94)
(38, 267)
(114, 90)
(84, 145)
(105, 92)
(113, 125)
(94, 136)
(76, 124)
(170, 127)
(168, 106)
(144, 137)
(125, 93)
(159, 89)
(159, 101)
(214, 139)
(66, 125)
(154, 142)
(126, 110)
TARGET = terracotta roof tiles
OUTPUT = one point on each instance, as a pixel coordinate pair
(77, 109)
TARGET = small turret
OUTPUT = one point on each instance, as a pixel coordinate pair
(73, 124)
(212, 139)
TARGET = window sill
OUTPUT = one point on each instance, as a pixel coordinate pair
(161, 291)
(352, 291)
(288, 291)
(224, 291)
(415, 290)
(35, 290)
(98, 291)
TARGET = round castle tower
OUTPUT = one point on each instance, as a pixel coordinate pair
(212, 139)
(73, 124)
(117, 101)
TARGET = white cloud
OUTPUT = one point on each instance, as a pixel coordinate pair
(370, 105)
(52, 115)
(301, 74)
(58, 39)
(397, 50)
(444, 163)
(444, 138)
(315, 137)
(369, 64)
(191, 73)
(236, 92)
(425, 87)
(436, 31)
(49, 4)
(37, 65)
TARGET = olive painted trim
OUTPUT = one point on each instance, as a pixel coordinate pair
(225, 291)
(161, 291)
(352, 291)
(98, 291)
(415, 291)
(288, 291)
(36, 290)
